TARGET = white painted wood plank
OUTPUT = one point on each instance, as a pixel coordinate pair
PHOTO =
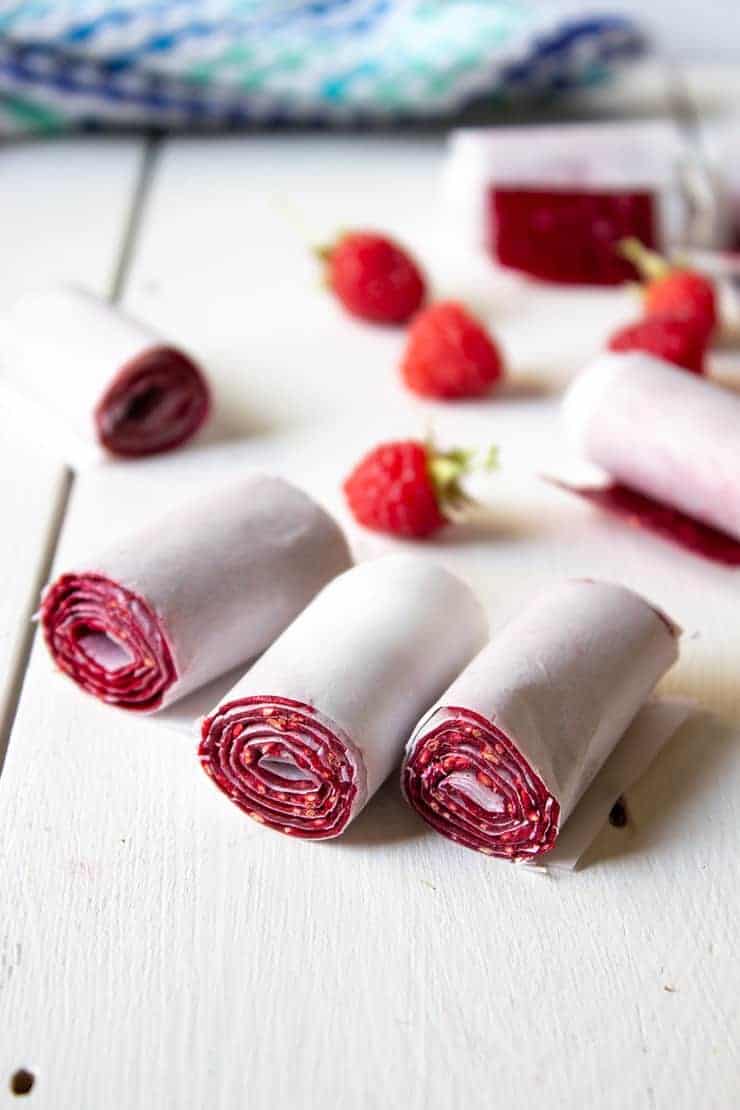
(63, 214)
(33, 491)
(162, 950)
(65, 203)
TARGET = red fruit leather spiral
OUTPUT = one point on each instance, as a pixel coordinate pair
(109, 640)
(155, 402)
(283, 763)
(461, 764)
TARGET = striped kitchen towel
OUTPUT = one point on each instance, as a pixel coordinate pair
(228, 63)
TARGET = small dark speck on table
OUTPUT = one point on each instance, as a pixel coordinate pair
(21, 1082)
(618, 816)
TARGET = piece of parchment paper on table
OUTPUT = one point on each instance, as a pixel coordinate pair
(655, 724)
(549, 710)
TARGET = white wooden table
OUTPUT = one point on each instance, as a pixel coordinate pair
(159, 950)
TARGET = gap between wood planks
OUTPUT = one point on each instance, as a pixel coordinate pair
(116, 288)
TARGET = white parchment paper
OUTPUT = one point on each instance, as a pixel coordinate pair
(374, 649)
(651, 729)
(64, 347)
(667, 433)
(565, 678)
(608, 156)
(228, 572)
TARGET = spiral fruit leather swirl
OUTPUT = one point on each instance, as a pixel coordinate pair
(499, 763)
(284, 765)
(469, 782)
(308, 735)
(670, 443)
(111, 379)
(108, 640)
(203, 589)
(155, 403)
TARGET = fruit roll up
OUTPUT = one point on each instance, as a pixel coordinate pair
(113, 380)
(553, 202)
(305, 739)
(501, 760)
(206, 587)
(672, 437)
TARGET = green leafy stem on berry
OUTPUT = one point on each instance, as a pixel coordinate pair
(447, 469)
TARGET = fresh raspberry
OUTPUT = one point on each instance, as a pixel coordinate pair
(450, 354)
(374, 277)
(673, 290)
(677, 340)
(405, 487)
(684, 293)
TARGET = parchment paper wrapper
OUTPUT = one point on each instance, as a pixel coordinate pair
(111, 380)
(503, 758)
(653, 726)
(671, 436)
(635, 179)
(305, 739)
(208, 586)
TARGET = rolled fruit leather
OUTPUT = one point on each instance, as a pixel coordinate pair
(502, 759)
(304, 740)
(111, 379)
(670, 444)
(554, 202)
(206, 587)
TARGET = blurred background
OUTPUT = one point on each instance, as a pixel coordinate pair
(181, 160)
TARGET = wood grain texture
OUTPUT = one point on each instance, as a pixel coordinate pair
(159, 949)
(64, 208)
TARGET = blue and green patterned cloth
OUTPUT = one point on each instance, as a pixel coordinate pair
(227, 63)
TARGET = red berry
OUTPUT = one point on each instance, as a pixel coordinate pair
(374, 277)
(676, 340)
(450, 354)
(673, 290)
(683, 293)
(404, 487)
